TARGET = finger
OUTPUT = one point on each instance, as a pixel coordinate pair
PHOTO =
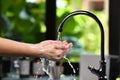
(69, 45)
(68, 48)
(59, 47)
(59, 54)
(64, 41)
(58, 42)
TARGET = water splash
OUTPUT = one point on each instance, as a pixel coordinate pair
(47, 64)
(59, 38)
(46, 68)
(71, 67)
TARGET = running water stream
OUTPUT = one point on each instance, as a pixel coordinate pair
(47, 64)
(59, 38)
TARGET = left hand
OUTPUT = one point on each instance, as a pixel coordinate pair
(54, 49)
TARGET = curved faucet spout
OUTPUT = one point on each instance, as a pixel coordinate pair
(102, 69)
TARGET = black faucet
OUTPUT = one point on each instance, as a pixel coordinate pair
(101, 72)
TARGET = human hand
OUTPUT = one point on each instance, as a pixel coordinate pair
(53, 49)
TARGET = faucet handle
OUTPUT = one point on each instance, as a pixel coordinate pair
(94, 71)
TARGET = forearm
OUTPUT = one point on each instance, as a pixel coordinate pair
(14, 48)
(48, 49)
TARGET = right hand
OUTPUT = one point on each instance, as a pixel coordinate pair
(53, 49)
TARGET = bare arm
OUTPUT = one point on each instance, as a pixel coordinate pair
(49, 48)
(14, 48)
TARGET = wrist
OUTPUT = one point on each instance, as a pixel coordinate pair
(37, 50)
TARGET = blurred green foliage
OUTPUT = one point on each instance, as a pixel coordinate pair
(81, 27)
(25, 21)
(117, 78)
